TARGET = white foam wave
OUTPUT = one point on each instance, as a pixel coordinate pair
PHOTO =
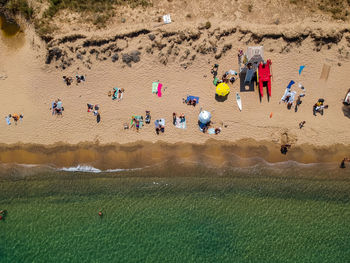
(91, 169)
(81, 168)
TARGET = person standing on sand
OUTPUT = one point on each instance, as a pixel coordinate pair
(342, 164)
(284, 148)
(301, 124)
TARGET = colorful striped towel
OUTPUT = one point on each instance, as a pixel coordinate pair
(160, 85)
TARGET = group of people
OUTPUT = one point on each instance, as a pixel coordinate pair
(16, 117)
(181, 118)
(159, 126)
(95, 110)
(229, 76)
(192, 102)
(319, 107)
(57, 107)
(117, 93)
(69, 80)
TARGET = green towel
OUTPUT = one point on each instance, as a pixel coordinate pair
(155, 87)
(215, 82)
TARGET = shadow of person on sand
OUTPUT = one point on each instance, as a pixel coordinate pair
(346, 111)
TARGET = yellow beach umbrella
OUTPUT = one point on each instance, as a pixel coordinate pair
(222, 89)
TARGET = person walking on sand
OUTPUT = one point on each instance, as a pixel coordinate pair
(301, 124)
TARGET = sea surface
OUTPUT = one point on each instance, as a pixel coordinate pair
(176, 212)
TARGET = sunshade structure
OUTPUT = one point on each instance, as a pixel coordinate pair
(204, 116)
(222, 89)
(248, 76)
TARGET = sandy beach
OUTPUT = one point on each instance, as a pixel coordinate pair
(179, 55)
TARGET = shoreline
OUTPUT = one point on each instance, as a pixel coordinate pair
(215, 153)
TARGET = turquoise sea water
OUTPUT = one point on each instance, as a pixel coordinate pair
(177, 213)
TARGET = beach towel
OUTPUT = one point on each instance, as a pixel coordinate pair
(155, 87)
(160, 85)
(192, 98)
(325, 72)
(180, 123)
(115, 94)
(8, 120)
(291, 83)
(215, 81)
(301, 69)
(211, 131)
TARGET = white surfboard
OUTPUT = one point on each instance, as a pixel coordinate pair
(239, 102)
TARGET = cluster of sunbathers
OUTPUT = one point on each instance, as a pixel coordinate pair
(229, 76)
(57, 107)
(69, 80)
(117, 93)
(159, 126)
(95, 110)
(181, 118)
(289, 96)
(16, 117)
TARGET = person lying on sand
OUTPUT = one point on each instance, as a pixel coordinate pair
(182, 118)
(225, 77)
(67, 80)
(120, 92)
(79, 78)
(90, 107)
(174, 118)
(148, 117)
(301, 124)
(135, 124)
(59, 108)
(17, 117)
(214, 70)
(298, 102)
(191, 102)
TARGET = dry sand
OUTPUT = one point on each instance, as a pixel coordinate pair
(31, 85)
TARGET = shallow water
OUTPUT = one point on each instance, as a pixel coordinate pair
(176, 212)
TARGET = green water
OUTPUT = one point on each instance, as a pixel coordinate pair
(196, 215)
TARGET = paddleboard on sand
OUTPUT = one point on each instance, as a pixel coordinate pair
(239, 102)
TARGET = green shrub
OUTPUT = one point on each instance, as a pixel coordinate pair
(20, 7)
